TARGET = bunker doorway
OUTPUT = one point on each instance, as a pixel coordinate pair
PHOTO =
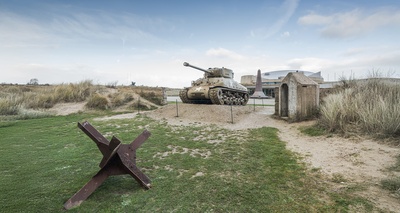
(284, 100)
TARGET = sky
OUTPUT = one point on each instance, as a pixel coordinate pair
(124, 41)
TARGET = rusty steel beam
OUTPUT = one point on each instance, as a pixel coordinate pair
(118, 159)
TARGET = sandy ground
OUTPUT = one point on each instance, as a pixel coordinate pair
(352, 161)
(67, 108)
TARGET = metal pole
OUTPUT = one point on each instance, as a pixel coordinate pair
(138, 109)
(231, 114)
(176, 102)
(254, 104)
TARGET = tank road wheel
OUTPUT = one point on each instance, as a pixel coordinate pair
(237, 99)
(229, 98)
(216, 96)
(184, 97)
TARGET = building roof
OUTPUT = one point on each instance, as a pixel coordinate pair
(279, 74)
(300, 78)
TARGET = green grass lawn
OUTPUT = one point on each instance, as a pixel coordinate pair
(193, 169)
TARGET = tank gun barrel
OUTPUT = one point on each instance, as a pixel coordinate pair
(186, 64)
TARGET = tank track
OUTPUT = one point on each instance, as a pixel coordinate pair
(184, 97)
(216, 96)
(223, 96)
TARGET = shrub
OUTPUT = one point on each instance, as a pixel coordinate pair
(119, 99)
(25, 114)
(396, 167)
(112, 84)
(369, 106)
(391, 184)
(337, 110)
(152, 97)
(16, 89)
(97, 101)
(38, 100)
(9, 105)
(73, 92)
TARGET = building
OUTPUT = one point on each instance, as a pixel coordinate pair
(273, 79)
(298, 97)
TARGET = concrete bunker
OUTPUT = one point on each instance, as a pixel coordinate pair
(298, 97)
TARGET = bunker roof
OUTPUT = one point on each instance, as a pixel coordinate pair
(300, 78)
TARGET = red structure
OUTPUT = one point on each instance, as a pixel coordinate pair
(118, 159)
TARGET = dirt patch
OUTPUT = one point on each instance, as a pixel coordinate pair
(355, 161)
(243, 117)
(120, 116)
(67, 108)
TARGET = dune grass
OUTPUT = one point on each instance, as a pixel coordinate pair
(15, 100)
(393, 182)
(120, 98)
(369, 107)
(9, 105)
(193, 169)
(97, 101)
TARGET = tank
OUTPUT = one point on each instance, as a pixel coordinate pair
(216, 87)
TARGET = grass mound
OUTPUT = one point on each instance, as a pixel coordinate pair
(73, 92)
(97, 101)
(13, 99)
(120, 99)
(16, 101)
(370, 106)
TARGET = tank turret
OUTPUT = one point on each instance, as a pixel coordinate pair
(217, 87)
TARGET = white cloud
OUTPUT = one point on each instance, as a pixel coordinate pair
(308, 64)
(356, 51)
(21, 30)
(288, 7)
(285, 34)
(358, 64)
(383, 60)
(18, 31)
(315, 19)
(224, 53)
(47, 73)
(79, 25)
(352, 23)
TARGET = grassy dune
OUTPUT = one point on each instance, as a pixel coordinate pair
(32, 101)
(369, 107)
